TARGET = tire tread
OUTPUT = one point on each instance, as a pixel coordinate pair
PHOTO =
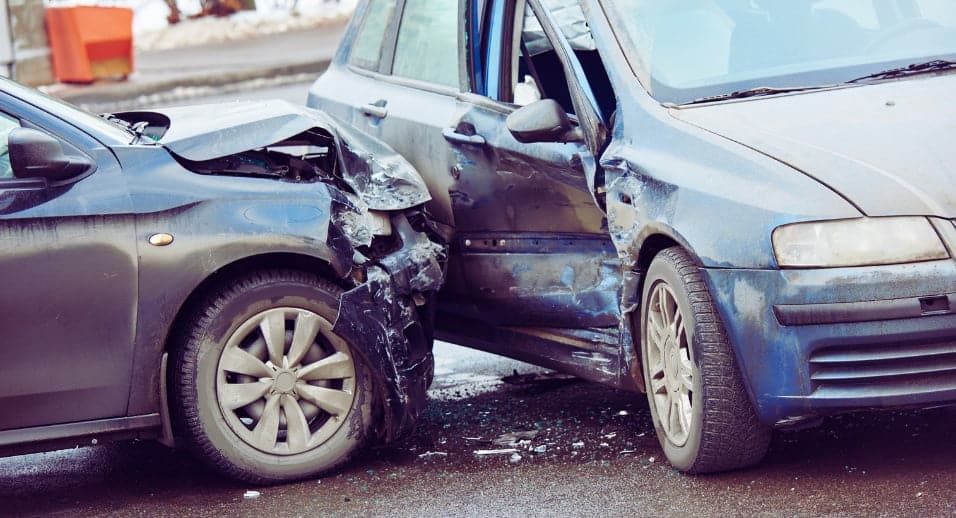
(732, 435)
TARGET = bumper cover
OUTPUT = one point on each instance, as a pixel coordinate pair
(815, 342)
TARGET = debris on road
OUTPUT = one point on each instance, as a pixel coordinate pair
(430, 454)
(541, 449)
(513, 439)
(251, 495)
(503, 451)
(578, 444)
(515, 458)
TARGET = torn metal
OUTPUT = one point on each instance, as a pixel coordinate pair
(249, 136)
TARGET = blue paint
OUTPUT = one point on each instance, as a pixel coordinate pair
(493, 50)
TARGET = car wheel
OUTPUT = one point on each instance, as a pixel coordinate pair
(262, 389)
(703, 416)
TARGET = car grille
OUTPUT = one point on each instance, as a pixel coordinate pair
(885, 370)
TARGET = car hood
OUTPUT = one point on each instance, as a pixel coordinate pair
(378, 175)
(888, 148)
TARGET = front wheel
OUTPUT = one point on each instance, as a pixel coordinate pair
(703, 416)
(262, 389)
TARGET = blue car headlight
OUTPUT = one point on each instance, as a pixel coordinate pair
(857, 242)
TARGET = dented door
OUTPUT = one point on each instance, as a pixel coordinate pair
(533, 245)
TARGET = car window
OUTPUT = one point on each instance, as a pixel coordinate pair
(686, 51)
(367, 48)
(7, 125)
(427, 47)
(540, 74)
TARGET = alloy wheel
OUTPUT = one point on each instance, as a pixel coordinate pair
(670, 368)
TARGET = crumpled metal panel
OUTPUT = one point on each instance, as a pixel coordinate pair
(382, 316)
(378, 175)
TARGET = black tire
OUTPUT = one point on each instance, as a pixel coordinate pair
(722, 431)
(201, 418)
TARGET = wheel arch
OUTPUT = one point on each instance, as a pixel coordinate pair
(243, 266)
(654, 240)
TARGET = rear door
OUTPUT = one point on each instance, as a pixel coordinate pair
(68, 286)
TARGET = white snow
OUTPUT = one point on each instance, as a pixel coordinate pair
(152, 32)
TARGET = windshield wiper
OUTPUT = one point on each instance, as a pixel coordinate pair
(760, 91)
(138, 129)
(935, 65)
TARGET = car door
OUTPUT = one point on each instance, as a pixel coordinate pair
(68, 284)
(533, 243)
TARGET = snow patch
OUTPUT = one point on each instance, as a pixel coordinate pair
(151, 31)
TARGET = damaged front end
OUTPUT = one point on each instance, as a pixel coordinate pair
(389, 313)
(393, 257)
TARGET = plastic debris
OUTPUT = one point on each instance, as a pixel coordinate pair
(541, 449)
(623, 412)
(251, 495)
(515, 458)
(578, 444)
(514, 438)
(430, 454)
(503, 451)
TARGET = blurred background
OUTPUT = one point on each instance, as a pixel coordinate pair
(111, 53)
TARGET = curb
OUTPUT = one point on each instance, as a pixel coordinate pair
(120, 92)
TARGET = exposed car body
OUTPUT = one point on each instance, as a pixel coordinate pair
(744, 209)
(107, 269)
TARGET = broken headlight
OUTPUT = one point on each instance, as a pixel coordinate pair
(857, 242)
(359, 224)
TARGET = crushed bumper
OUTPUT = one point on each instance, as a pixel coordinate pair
(382, 317)
(815, 342)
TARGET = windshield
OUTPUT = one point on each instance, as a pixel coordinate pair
(691, 49)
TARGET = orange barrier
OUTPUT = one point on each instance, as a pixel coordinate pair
(90, 43)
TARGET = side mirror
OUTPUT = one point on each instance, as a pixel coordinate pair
(542, 121)
(34, 154)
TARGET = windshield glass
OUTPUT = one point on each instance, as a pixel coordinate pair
(691, 49)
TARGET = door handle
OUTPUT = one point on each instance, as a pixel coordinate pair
(374, 110)
(452, 135)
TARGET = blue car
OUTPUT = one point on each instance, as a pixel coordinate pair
(743, 208)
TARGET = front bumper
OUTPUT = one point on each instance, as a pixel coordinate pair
(815, 342)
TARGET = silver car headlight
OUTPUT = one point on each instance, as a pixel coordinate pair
(857, 242)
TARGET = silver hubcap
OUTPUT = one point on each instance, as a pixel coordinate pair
(285, 382)
(669, 364)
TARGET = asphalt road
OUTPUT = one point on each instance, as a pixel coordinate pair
(599, 458)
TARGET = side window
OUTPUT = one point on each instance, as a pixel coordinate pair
(537, 70)
(7, 124)
(367, 48)
(539, 74)
(427, 47)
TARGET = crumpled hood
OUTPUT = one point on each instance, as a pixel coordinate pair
(889, 148)
(378, 175)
